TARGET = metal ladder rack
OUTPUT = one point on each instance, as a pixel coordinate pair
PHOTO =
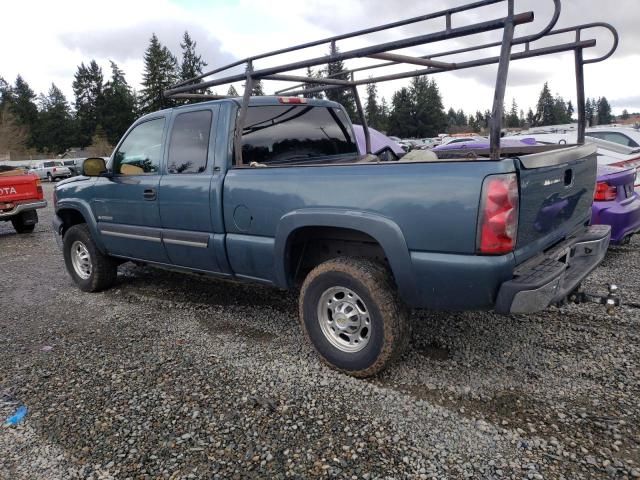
(385, 52)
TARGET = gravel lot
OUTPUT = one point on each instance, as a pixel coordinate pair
(172, 376)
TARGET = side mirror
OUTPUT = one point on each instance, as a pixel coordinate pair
(93, 167)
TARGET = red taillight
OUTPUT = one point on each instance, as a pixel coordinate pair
(54, 169)
(605, 192)
(498, 225)
(292, 100)
(39, 189)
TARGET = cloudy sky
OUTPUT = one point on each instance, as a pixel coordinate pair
(45, 41)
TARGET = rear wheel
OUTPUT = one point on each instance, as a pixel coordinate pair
(351, 314)
(25, 222)
(90, 269)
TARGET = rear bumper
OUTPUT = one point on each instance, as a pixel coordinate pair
(23, 207)
(623, 217)
(549, 277)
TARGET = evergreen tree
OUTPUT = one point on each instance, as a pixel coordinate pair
(383, 117)
(87, 87)
(371, 109)
(336, 70)
(160, 73)
(307, 86)
(5, 93)
(625, 114)
(23, 108)
(461, 118)
(570, 111)
(531, 118)
(429, 117)
(604, 111)
(401, 113)
(119, 106)
(590, 112)
(512, 119)
(55, 126)
(192, 63)
(521, 120)
(546, 107)
(232, 92)
(452, 119)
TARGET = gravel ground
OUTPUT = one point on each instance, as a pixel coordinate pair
(173, 376)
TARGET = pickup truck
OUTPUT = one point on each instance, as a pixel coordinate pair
(20, 196)
(363, 240)
(52, 170)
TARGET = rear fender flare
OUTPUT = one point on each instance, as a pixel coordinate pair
(386, 232)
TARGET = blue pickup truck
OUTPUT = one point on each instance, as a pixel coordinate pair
(364, 240)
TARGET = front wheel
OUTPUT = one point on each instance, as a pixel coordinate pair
(351, 314)
(91, 270)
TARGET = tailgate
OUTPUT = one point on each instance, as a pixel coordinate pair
(556, 193)
(16, 188)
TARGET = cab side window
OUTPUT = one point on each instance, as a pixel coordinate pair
(189, 143)
(141, 152)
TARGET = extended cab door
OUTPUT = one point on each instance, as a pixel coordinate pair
(188, 200)
(125, 205)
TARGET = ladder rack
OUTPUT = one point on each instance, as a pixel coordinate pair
(427, 63)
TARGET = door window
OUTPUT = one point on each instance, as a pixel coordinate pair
(140, 153)
(189, 144)
(614, 137)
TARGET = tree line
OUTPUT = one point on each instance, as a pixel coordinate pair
(103, 108)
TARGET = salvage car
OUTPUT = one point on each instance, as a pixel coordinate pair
(616, 203)
(21, 195)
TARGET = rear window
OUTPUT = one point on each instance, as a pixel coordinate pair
(297, 135)
(48, 164)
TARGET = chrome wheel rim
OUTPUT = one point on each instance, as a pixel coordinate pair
(81, 260)
(344, 319)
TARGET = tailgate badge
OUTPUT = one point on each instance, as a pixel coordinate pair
(551, 182)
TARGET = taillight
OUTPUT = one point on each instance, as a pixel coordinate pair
(292, 100)
(39, 189)
(54, 169)
(605, 192)
(498, 223)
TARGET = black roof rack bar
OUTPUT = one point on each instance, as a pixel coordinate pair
(567, 47)
(577, 29)
(481, 27)
(387, 26)
(388, 51)
(396, 58)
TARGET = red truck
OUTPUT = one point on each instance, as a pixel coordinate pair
(20, 195)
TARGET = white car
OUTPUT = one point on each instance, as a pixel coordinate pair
(470, 138)
(51, 170)
(617, 146)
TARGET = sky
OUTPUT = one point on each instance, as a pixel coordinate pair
(45, 41)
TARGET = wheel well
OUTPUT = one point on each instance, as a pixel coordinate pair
(308, 247)
(70, 218)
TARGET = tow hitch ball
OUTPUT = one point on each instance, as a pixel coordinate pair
(610, 301)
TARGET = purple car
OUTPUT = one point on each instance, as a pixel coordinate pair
(381, 145)
(616, 203)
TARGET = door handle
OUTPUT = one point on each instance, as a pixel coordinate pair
(149, 194)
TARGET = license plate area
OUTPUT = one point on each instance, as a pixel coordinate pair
(5, 206)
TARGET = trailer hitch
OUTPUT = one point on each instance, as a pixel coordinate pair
(610, 301)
